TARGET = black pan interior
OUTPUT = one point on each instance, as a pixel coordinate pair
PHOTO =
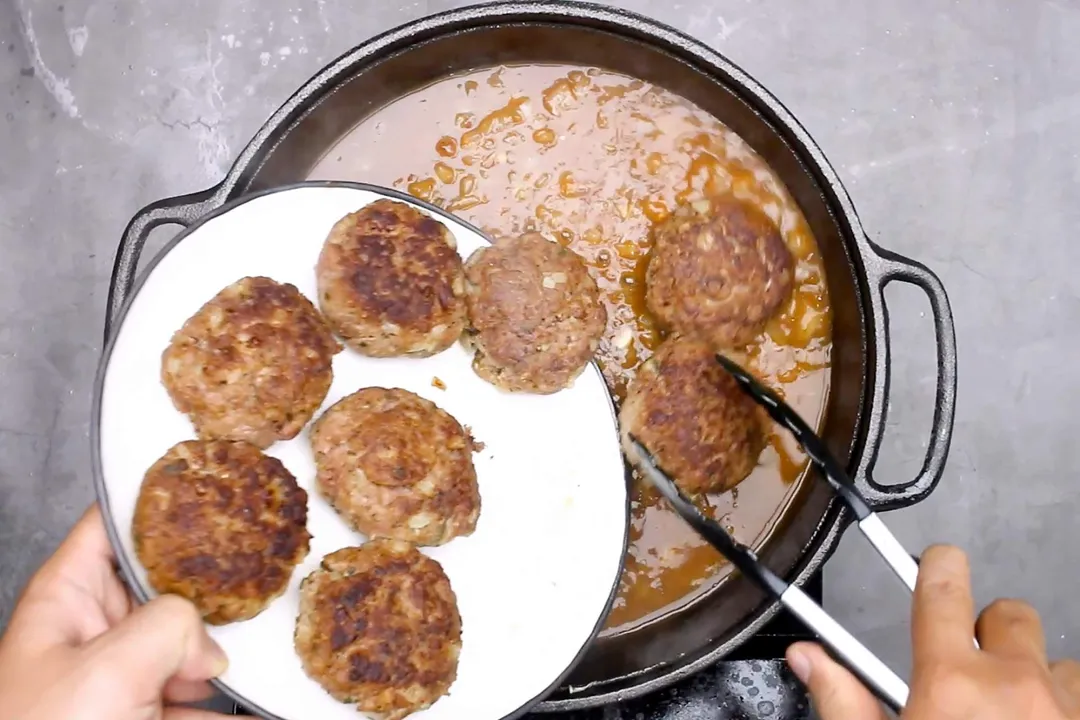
(720, 619)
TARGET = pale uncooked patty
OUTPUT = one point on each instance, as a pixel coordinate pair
(395, 465)
(718, 270)
(535, 314)
(221, 524)
(391, 281)
(693, 418)
(379, 627)
(254, 363)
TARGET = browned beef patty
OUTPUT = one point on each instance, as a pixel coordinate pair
(719, 269)
(391, 281)
(221, 524)
(535, 314)
(254, 363)
(692, 416)
(379, 627)
(396, 465)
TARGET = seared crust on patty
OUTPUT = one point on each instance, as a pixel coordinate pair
(379, 627)
(396, 465)
(221, 524)
(692, 416)
(391, 281)
(534, 312)
(254, 363)
(719, 269)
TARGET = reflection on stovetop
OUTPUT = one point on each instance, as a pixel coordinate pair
(753, 683)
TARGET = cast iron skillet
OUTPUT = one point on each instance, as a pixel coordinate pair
(412, 56)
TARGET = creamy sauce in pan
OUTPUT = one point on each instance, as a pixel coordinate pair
(593, 159)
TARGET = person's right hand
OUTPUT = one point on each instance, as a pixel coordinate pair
(1008, 678)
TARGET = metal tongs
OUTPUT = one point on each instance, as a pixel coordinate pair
(876, 675)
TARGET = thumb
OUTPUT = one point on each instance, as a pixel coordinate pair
(836, 693)
(159, 641)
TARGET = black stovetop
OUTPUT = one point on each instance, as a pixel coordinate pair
(754, 683)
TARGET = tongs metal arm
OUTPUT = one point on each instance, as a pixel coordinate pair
(847, 649)
(870, 525)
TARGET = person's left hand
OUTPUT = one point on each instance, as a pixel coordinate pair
(75, 649)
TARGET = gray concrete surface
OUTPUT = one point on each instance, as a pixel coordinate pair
(954, 125)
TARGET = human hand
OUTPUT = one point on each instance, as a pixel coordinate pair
(1008, 677)
(75, 650)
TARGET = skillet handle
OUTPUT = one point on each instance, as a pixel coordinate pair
(181, 210)
(892, 267)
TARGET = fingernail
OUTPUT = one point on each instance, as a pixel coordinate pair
(799, 662)
(218, 659)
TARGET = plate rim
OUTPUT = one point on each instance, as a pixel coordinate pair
(124, 565)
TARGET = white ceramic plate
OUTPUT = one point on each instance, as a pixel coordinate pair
(534, 582)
